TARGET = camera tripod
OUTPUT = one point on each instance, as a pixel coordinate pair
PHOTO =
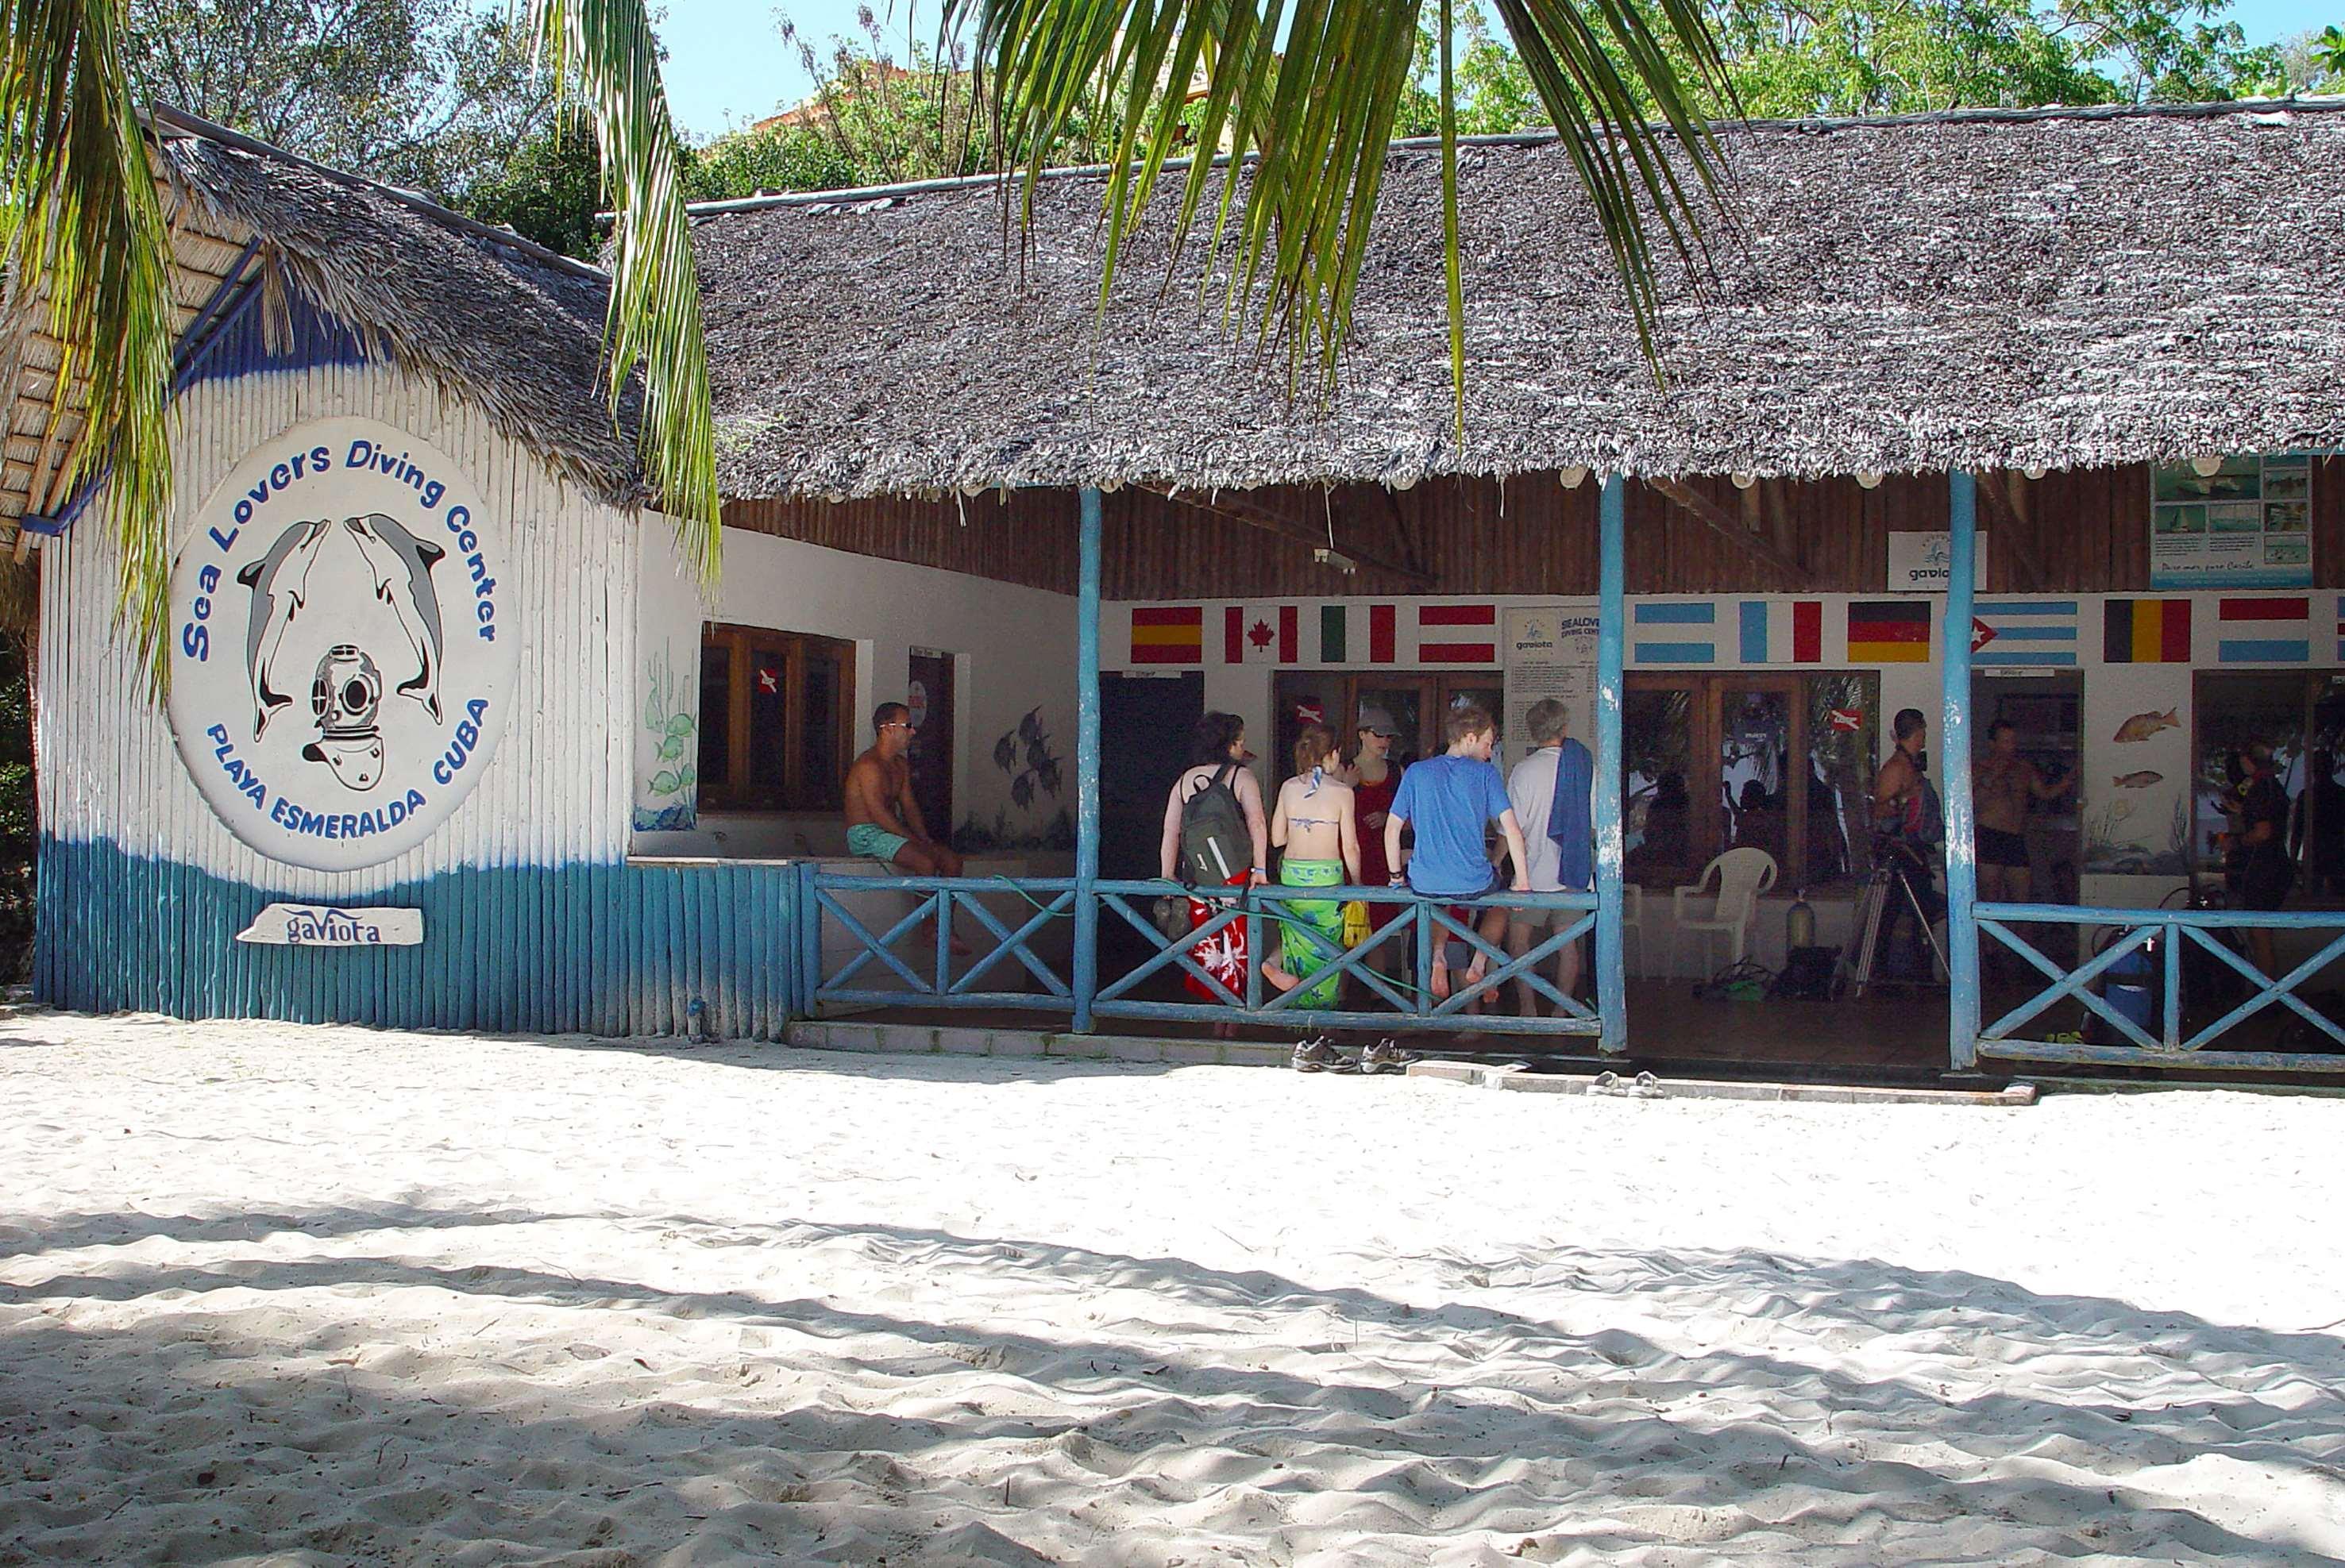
(1870, 908)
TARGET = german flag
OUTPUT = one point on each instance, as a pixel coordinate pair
(1888, 631)
(1168, 634)
(2146, 631)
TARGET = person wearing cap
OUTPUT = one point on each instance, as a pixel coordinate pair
(1374, 782)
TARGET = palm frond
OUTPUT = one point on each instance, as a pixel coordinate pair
(79, 216)
(1303, 94)
(604, 52)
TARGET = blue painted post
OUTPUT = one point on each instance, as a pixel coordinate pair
(1955, 765)
(1087, 765)
(1611, 974)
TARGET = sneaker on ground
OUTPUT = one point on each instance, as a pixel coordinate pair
(1319, 1056)
(1385, 1057)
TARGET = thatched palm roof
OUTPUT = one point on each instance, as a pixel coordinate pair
(485, 315)
(497, 322)
(2040, 290)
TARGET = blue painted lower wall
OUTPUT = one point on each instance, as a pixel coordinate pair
(610, 949)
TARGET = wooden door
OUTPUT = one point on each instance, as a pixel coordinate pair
(930, 695)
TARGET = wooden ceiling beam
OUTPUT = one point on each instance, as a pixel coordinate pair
(1255, 515)
(2008, 529)
(1710, 515)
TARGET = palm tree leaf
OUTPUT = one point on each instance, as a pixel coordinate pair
(604, 52)
(79, 214)
(1303, 97)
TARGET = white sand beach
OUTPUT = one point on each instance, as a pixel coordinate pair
(310, 1295)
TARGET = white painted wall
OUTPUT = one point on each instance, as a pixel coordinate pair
(1014, 648)
(555, 791)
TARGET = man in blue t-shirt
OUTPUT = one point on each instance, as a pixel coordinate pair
(1449, 800)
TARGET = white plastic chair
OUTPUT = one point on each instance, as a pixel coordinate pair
(1743, 876)
(1632, 924)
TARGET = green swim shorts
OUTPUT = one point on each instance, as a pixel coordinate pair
(877, 843)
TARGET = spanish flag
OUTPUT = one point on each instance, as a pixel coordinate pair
(1888, 631)
(2146, 631)
(1168, 634)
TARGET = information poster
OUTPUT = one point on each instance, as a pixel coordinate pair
(2249, 524)
(1549, 651)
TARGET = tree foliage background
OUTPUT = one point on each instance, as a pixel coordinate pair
(431, 94)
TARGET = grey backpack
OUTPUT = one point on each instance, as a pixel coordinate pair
(1216, 848)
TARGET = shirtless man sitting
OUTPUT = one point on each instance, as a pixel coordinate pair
(883, 820)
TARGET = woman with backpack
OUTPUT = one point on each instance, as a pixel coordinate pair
(1215, 837)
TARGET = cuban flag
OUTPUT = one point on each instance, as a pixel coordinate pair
(2039, 632)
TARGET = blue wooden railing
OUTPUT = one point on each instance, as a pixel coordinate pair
(2174, 936)
(1410, 1003)
(941, 910)
(909, 960)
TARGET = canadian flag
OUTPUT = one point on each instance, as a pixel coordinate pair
(1260, 633)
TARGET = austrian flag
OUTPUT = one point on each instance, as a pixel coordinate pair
(1457, 634)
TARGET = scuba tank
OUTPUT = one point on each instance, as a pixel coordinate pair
(1799, 923)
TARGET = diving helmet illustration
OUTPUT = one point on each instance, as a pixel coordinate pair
(346, 697)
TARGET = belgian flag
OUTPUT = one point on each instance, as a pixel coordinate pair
(2145, 631)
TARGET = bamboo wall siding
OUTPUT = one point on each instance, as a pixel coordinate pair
(33, 454)
(2084, 531)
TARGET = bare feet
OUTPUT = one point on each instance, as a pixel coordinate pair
(1280, 979)
(1441, 982)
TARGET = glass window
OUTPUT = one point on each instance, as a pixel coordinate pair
(2298, 718)
(774, 727)
(1786, 766)
(1657, 805)
(715, 703)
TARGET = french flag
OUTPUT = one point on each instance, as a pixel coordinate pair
(1773, 633)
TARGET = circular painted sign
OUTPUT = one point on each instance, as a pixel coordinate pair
(916, 698)
(344, 644)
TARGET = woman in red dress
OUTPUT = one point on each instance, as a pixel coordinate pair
(1218, 756)
(1375, 781)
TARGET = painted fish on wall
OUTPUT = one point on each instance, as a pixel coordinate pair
(2141, 780)
(2141, 726)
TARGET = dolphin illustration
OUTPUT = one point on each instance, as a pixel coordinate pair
(279, 581)
(401, 567)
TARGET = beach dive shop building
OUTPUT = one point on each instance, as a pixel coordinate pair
(2026, 417)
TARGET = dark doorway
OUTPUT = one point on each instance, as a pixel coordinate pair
(1145, 722)
(930, 698)
(2047, 712)
(1418, 703)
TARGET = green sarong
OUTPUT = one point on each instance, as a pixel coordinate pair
(1313, 928)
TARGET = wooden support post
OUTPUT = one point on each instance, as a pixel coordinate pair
(1707, 512)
